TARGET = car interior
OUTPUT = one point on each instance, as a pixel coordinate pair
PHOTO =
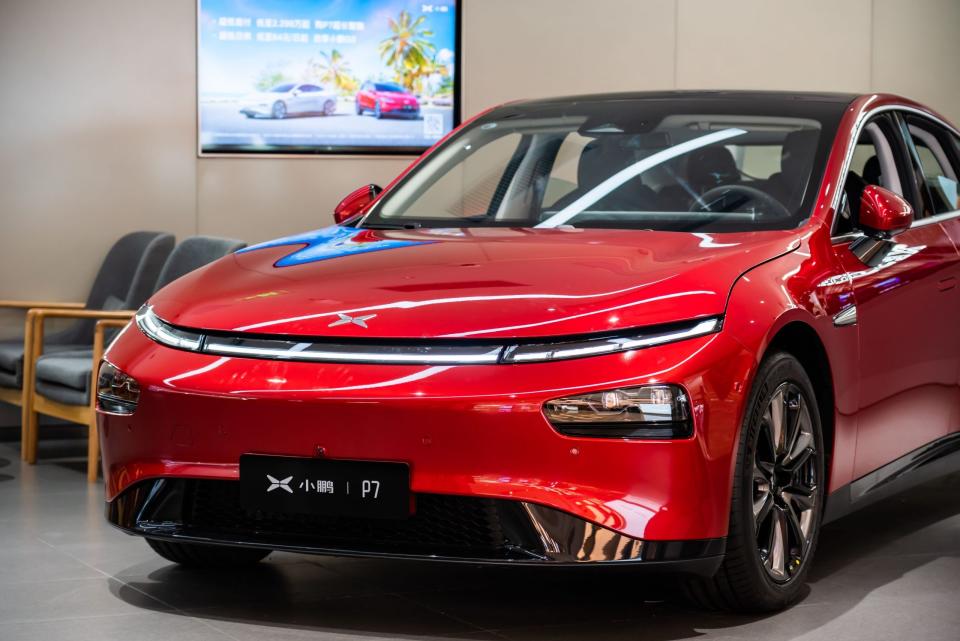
(756, 175)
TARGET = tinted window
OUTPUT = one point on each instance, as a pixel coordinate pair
(283, 88)
(936, 154)
(386, 86)
(309, 88)
(626, 164)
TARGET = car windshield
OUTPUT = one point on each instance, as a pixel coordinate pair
(382, 86)
(283, 88)
(682, 165)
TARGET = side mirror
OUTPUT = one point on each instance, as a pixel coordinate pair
(355, 202)
(884, 213)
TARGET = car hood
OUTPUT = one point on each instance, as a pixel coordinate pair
(466, 283)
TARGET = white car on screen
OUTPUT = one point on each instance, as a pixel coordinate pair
(290, 99)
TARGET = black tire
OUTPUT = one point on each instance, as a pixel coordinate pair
(207, 556)
(359, 108)
(749, 581)
(377, 112)
(279, 110)
(329, 108)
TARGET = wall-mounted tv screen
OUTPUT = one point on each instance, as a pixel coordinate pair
(326, 76)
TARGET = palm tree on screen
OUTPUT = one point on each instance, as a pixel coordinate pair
(333, 69)
(408, 49)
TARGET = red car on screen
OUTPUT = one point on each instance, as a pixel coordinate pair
(386, 99)
(675, 331)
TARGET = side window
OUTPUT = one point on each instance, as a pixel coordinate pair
(937, 158)
(877, 160)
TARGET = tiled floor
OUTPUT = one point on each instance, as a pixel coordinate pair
(891, 572)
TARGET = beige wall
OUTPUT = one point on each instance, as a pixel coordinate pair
(97, 136)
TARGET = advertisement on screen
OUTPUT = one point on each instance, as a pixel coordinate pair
(313, 77)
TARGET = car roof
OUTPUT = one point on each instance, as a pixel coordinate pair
(701, 95)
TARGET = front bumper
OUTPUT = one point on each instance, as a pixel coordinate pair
(400, 110)
(473, 432)
(443, 528)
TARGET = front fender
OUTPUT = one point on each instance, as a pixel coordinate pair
(798, 288)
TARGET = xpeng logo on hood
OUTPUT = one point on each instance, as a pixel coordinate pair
(347, 319)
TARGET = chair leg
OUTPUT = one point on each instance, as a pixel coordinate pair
(93, 451)
(27, 346)
(28, 416)
(93, 442)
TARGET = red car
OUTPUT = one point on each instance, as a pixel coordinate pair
(675, 330)
(386, 99)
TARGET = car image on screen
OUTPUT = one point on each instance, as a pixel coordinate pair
(386, 99)
(290, 99)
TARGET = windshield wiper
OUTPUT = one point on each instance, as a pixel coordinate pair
(409, 225)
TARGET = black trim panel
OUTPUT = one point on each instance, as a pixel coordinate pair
(500, 531)
(935, 459)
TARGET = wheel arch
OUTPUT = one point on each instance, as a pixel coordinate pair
(802, 341)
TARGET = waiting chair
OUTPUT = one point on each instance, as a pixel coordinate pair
(64, 382)
(129, 270)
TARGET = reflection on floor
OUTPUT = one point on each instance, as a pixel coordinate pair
(891, 572)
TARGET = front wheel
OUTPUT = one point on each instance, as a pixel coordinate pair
(377, 111)
(207, 556)
(778, 496)
(279, 110)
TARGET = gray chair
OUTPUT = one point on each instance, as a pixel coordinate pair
(125, 279)
(63, 379)
(65, 376)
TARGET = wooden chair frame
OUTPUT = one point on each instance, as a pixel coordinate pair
(15, 396)
(35, 404)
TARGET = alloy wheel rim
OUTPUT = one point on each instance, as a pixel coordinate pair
(785, 484)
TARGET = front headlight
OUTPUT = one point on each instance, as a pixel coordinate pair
(117, 392)
(164, 333)
(648, 411)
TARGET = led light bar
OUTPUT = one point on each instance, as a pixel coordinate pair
(427, 353)
(594, 347)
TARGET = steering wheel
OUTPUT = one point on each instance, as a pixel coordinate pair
(769, 204)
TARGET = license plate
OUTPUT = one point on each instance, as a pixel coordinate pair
(294, 485)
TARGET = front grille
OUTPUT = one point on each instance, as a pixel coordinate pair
(441, 524)
(453, 528)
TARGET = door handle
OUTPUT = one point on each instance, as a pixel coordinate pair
(947, 284)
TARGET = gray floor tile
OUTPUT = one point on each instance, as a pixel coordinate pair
(69, 599)
(139, 626)
(36, 562)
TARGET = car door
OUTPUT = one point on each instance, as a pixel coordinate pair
(363, 97)
(905, 319)
(314, 98)
(936, 152)
(299, 100)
